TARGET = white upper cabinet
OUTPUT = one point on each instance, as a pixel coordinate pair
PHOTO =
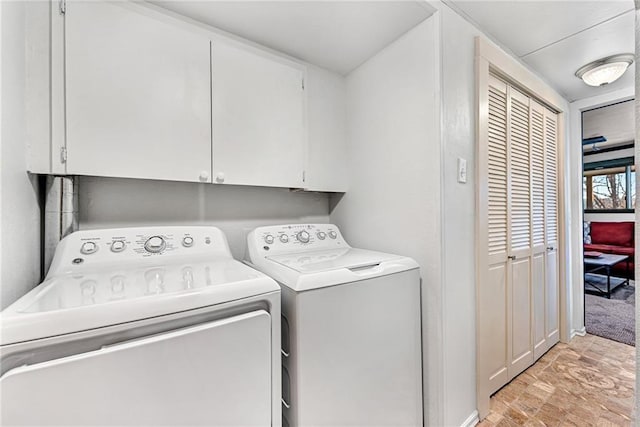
(137, 95)
(327, 168)
(258, 108)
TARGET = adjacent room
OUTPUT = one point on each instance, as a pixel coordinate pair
(609, 187)
(317, 213)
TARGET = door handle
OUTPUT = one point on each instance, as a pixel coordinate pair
(512, 257)
(286, 405)
(550, 248)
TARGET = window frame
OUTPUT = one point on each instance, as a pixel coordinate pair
(628, 163)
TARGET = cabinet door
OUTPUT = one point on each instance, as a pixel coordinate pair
(137, 95)
(258, 119)
(551, 227)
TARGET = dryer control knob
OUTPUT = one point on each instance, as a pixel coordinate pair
(303, 237)
(322, 235)
(88, 248)
(155, 244)
(333, 234)
(118, 246)
(187, 241)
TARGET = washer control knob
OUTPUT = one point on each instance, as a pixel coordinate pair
(322, 235)
(268, 239)
(187, 241)
(88, 248)
(303, 237)
(284, 238)
(155, 244)
(333, 234)
(118, 246)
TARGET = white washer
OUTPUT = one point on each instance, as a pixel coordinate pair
(351, 339)
(144, 326)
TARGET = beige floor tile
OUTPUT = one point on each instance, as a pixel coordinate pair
(588, 382)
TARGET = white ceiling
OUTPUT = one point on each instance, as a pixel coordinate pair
(614, 122)
(557, 37)
(337, 35)
(554, 37)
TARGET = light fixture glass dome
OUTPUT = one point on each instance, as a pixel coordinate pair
(605, 70)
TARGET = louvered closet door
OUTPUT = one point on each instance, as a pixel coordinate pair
(519, 234)
(492, 289)
(538, 256)
(551, 227)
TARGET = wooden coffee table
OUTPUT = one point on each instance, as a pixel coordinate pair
(604, 262)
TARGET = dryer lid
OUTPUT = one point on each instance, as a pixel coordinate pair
(331, 259)
(92, 299)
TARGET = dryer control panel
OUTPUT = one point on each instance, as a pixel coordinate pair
(291, 238)
(122, 245)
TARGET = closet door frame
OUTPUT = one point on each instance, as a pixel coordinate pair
(492, 60)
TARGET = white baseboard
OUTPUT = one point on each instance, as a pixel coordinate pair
(472, 420)
(578, 332)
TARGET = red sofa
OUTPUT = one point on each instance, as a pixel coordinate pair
(614, 238)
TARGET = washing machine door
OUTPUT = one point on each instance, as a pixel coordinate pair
(213, 374)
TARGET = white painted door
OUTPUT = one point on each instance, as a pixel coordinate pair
(137, 95)
(552, 305)
(214, 374)
(519, 234)
(492, 286)
(538, 272)
(258, 118)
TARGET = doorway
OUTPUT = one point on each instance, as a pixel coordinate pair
(608, 193)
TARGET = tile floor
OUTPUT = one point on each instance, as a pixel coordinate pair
(588, 382)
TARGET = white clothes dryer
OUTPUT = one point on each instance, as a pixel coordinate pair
(351, 329)
(143, 326)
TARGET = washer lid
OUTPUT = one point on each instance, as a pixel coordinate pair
(90, 299)
(331, 259)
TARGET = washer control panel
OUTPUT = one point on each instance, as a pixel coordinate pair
(296, 238)
(126, 244)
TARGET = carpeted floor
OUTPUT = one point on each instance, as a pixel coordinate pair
(612, 318)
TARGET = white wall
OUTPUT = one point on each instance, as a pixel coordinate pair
(393, 203)
(20, 212)
(236, 210)
(458, 141)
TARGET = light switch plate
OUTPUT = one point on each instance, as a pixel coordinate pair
(462, 170)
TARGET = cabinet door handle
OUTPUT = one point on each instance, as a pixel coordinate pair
(512, 257)
(550, 248)
(286, 405)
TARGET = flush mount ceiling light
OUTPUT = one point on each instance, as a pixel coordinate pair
(606, 70)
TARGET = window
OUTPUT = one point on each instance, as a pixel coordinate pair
(609, 188)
